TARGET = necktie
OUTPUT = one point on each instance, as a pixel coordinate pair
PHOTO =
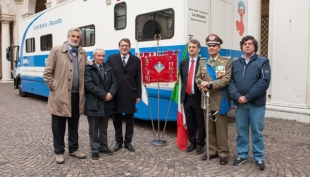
(101, 70)
(124, 62)
(190, 78)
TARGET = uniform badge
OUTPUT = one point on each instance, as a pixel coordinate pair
(212, 37)
(220, 71)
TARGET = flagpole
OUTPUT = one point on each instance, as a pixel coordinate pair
(158, 142)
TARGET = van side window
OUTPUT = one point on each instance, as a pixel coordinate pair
(30, 45)
(120, 14)
(46, 42)
(159, 22)
(88, 37)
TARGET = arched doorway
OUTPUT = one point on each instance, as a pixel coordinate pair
(150, 28)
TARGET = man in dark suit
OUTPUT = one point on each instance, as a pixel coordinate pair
(191, 99)
(100, 88)
(127, 69)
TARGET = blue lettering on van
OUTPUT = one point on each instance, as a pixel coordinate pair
(44, 25)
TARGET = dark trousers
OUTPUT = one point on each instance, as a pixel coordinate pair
(117, 121)
(194, 120)
(98, 132)
(59, 128)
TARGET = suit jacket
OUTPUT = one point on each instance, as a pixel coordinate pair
(217, 85)
(128, 82)
(184, 65)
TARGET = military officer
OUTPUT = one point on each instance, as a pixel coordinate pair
(213, 75)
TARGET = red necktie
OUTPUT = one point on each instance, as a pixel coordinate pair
(190, 78)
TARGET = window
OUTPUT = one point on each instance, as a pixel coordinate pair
(46, 42)
(88, 36)
(120, 16)
(159, 22)
(30, 47)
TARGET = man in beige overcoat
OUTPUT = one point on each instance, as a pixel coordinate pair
(64, 76)
(214, 75)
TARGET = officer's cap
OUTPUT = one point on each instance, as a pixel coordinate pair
(214, 39)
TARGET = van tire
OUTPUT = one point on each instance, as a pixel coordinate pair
(20, 91)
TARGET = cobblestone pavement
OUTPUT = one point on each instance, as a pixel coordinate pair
(26, 148)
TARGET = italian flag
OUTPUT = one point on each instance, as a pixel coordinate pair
(182, 135)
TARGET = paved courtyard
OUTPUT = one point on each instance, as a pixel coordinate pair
(26, 148)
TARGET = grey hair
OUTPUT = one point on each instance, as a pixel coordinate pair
(75, 29)
(97, 49)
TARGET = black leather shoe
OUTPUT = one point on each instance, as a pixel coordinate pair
(95, 155)
(106, 151)
(200, 149)
(191, 147)
(223, 160)
(117, 147)
(129, 147)
(205, 157)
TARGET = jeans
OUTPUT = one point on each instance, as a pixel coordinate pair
(250, 115)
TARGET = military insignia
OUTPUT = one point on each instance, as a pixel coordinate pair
(212, 37)
(159, 67)
(220, 71)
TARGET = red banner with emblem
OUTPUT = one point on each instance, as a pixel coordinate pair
(160, 67)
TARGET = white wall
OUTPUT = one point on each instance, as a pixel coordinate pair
(289, 55)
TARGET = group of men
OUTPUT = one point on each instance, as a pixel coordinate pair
(244, 81)
(112, 89)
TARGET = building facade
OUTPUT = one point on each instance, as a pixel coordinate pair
(281, 27)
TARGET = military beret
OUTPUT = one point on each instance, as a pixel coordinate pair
(214, 39)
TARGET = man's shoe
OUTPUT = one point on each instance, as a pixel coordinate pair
(205, 157)
(129, 147)
(260, 164)
(95, 155)
(59, 158)
(239, 161)
(191, 147)
(223, 160)
(107, 151)
(200, 149)
(78, 154)
(117, 147)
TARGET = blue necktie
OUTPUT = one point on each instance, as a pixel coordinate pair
(101, 71)
(124, 62)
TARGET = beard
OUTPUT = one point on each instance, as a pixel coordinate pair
(73, 44)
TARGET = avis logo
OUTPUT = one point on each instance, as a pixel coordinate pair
(25, 61)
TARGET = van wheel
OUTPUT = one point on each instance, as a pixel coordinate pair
(20, 91)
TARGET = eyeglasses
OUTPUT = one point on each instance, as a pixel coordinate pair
(124, 45)
(212, 45)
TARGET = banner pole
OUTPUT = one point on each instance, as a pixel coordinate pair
(158, 142)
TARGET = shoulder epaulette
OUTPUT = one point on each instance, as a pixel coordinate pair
(226, 57)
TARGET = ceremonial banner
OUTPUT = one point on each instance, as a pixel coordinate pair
(159, 68)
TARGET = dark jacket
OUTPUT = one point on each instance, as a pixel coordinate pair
(129, 82)
(184, 65)
(96, 89)
(250, 80)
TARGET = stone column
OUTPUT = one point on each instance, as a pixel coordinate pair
(5, 36)
(254, 20)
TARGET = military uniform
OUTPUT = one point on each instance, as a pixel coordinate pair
(218, 130)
